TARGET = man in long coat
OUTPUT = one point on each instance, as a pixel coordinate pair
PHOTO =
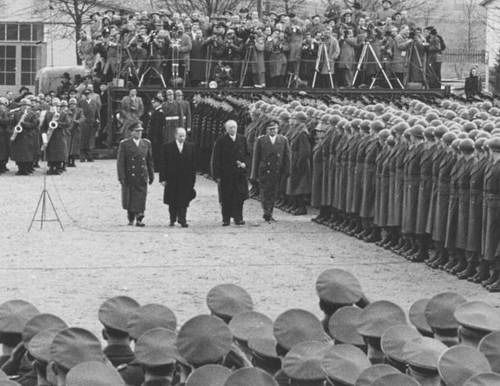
(173, 117)
(229, 168)
(271, 161)
(91, 119)
(178, 175)
(135, 170)
(75, 134)
(156, 129)
(4, 135)
(131, 109)
(23, 145)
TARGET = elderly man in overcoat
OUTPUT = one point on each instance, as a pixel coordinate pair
(135, 170)
(229, 168)
(271, 161)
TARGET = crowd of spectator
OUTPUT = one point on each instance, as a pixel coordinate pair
(242, 49)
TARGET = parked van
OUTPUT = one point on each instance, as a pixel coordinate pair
(49, 78)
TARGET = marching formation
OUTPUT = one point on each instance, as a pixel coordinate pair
(446, 340)
(413, 177)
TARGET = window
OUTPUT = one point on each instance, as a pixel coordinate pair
(8, 65)
(21, 32)
(29, 64)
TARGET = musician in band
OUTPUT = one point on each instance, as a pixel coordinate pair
(4, 135)
(23, 138)
(54, 137)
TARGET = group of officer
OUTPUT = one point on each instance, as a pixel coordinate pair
(412, 177)
(446, 340)
(44, 126)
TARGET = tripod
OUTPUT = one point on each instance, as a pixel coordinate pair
(322, 51)
(367, 47)
(42, 205)
(415, 54)
(248, 54)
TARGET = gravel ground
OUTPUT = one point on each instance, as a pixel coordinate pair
(98, 256)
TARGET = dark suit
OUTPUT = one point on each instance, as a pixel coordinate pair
(270, 163)
(178, 171)
(233, 185)
(123, 358)
(135, 170)
(156, 128)
(91, 114)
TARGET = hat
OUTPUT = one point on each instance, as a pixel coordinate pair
(156, 347)
(295, 326)
(251, 324)
(39, 345)
(303, 361)
(148, 317)
(396, 380)
(14, 315)
(459, 363)
(300, 116)
(440, 309)
(372, 373)
(74, 345)
(250, 377)
(264, 347)
(490, 347)
(95, 374)
(204, 339)
(417, 316)
(42, 322)
(115, 312)
(86, 91)
(72, 101)
(394, 339)
(423, 352)
(494, 144)
(338, 287)
(135, 125)
(228, 300)
(208, 375)
(484, 379)
(478, 315)
(343, 326)
(378, 316)
(344, 363)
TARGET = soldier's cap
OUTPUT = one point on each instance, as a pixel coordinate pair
(478, 315)
(469, 126)
(423, 352)
(488, 126)
(156, 99)
(378, 316)
(377, 125)
(134, 126)
(490, 347)
(431, 116)
(417, 316)
(250, 377)
(72, 101)
(440, 130)
(208, 375)
(39, 345)
(228, 300)
(95, 374)
(204, 339)
(457, 364)
(484, 379)
(304, 361)
(41, 322)
(25, 102)
(344, 363)
(398, 379)
(14, 314)
(394, 339)
(440, 311)
(264, 347)
(343, 326)
(449, 137)
(300, 116)
(115, 312)
(493, 145)
(417, 131)
(148, 317)
(295, 326)
(244, 10)
(64, 103)
(74, 345)
(372, 373)
(401, 127)
(338, 287)
(480, 142)
(86, 91)
(157, 347)
(272, 124)
(284, 116)
(251, 324)
(429, 132)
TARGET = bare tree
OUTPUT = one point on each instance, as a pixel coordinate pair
(373, 5)
(472, 18)
(285, 6)
(207, 7)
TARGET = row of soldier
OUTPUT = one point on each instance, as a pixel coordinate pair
(445, 340)
(412, 180)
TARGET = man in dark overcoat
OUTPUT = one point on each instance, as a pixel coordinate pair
(229, 168)
(271, 161)
(135, 170)
(23, 144)
(156, 129)
(4, 135)
(178, 175)
(89, 124)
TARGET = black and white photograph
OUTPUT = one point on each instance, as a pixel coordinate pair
(250, 192)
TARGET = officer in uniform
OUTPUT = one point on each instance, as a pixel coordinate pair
(173, 117)
(135, 170)
(131, 109)
(270, 163)
(185, 110)
(54, 138)
(4, 135)
(88, 125)
(75, 117)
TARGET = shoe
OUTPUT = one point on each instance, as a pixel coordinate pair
(140, 224)
(495, 287)
(239, 222)
(468, 272)
(226, 223)
(21, 173)
(300, 211)
(172, 223)
(184, 225)
(90, 160)
(82, 159)
(130, 223)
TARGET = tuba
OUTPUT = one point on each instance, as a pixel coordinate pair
(18, 129)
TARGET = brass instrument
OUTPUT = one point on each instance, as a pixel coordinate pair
(18, 129)
(53, 124)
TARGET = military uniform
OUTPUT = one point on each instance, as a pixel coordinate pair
(22, 148)
(5, 122)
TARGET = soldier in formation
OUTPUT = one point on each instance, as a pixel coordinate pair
(445, 340)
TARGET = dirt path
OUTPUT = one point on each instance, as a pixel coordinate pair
(70, 273)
